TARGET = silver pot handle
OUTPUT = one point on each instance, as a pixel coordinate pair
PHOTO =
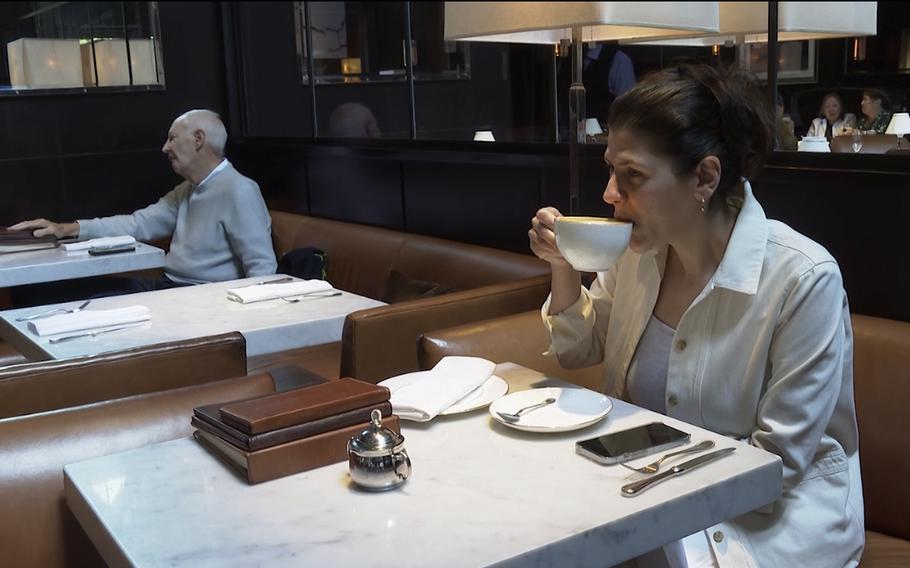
(401, 458)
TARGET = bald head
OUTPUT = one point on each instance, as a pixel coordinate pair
(210, 124)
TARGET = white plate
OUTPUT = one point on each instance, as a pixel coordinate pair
(574, 408)
(482, 396)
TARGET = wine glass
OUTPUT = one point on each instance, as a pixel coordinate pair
(857, 139)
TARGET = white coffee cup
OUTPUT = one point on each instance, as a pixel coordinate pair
(484, 136)
(592, 244)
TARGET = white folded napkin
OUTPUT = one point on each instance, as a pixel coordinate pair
(99, 242)
(439, 388)
(89, 319)
(260, 292)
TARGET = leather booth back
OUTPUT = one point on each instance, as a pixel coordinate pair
(881, 379)
(519, 338)
(872, 144)
(49, 385)
(360, 257)
(36, 526)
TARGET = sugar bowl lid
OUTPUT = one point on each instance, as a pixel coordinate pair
(376, 440)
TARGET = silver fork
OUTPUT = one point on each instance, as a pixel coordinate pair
(654, 466)
(55, 311)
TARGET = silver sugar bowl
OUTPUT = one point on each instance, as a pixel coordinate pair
(377, 458)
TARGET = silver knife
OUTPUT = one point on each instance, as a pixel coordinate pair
(92, 333)
(275, 281)
(633, 489)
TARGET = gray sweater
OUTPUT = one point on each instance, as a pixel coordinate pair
(219, 231)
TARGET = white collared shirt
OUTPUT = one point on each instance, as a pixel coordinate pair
(215, 171)
(764, 354)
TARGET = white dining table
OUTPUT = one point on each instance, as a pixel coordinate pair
(196, 311)
(50, 265)
(480, 494)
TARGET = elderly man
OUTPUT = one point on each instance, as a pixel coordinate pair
(219, 226)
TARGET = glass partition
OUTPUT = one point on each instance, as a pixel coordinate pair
(78, 46)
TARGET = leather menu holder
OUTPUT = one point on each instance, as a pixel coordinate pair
(208, 418)
(291, 457)
(301, 405)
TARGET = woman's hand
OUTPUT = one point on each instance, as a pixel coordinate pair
(543, 239)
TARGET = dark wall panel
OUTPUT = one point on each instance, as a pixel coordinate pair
(281, 173)
(362, 190)
(25, 179)
(861, 218)
(96, 184)
(481, 204)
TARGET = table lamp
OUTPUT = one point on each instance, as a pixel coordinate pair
(747, 22)
(554, 22)
(899, 126)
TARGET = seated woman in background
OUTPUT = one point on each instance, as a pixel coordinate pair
(718, 316)
(876, 112)
(832, 121)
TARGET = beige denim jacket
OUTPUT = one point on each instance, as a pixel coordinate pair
(763, 354)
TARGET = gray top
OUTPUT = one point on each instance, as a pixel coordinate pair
(647, 380)
(220, 230)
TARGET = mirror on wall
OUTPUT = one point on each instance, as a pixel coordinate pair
(79, 47)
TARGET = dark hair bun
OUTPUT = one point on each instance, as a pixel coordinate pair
(692, 111)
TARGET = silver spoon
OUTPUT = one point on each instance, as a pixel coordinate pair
(654, 466)
(54, 311)
(515, 417)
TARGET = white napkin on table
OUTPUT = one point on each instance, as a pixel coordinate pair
(441, 387)
(99, 242)
(260, 292)
(89, 319)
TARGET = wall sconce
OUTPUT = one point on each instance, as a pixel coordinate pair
(39, 62)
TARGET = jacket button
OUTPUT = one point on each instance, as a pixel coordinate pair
(672, 400)
(718, 536)
(681, 345)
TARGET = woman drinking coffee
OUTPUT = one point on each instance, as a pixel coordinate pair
(718, 316)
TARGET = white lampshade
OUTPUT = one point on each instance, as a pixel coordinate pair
(796, 21)
(110, 55)
(550, 22)
(38, 62)
(899, 125)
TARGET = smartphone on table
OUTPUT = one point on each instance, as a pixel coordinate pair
(630, 444)
(113, 249)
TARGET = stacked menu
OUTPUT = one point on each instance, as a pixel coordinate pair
(280, 434)
(18, 241)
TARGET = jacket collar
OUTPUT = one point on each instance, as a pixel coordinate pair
(740, 267)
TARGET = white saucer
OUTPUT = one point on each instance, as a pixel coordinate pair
(482, 396)
(575, 408)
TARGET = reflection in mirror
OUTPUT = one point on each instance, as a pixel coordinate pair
(67, 45)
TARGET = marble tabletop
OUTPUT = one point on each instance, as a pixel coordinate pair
(480, 494)
(49, 265)
(198, 311)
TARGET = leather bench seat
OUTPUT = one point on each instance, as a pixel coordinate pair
(381, 342)
(48, 385)
(37, 529)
